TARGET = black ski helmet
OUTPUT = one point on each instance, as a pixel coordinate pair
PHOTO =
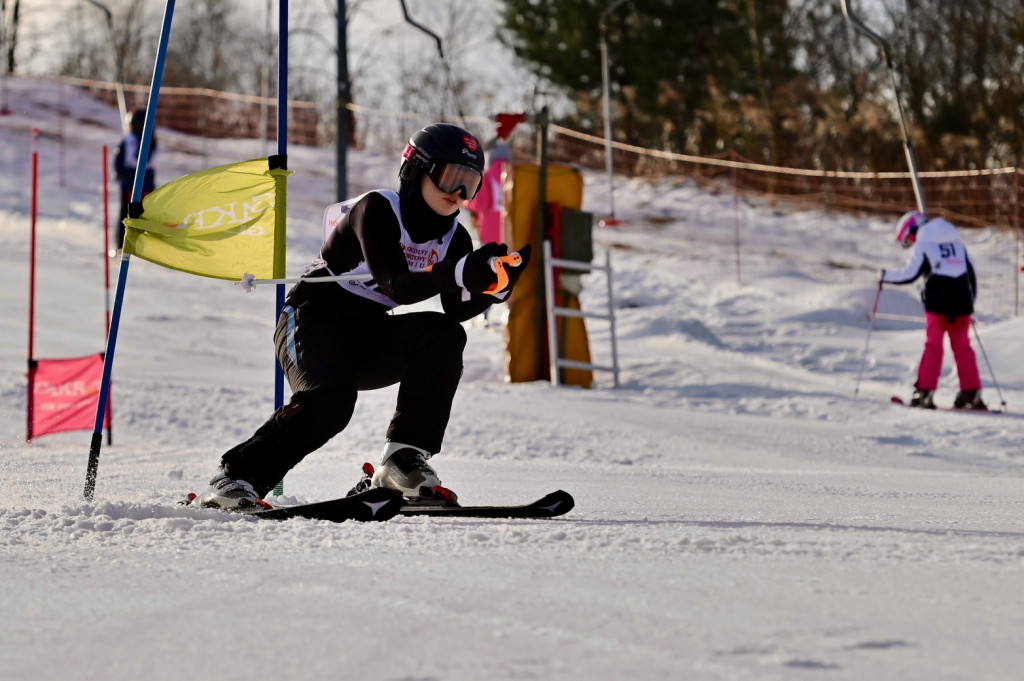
(436, 146)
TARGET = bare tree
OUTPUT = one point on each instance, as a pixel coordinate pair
(118, 46)
(392, 64)
(206, 51)
(9, 27)
(134, 42)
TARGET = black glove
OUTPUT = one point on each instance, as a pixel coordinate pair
(477, 273)
(471, 273)
(515, 272)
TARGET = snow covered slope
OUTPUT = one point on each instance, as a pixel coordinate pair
(740, 513)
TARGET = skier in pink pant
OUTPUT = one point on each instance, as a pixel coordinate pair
(950, 289)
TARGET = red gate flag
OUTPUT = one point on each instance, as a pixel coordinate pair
(64, 394)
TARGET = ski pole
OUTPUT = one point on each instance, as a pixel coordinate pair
(871, 326)
(499, 265)
(977, 336)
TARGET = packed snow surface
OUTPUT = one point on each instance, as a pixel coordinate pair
(749, 503)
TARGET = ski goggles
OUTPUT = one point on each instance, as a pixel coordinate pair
(450, 177)
(907, 236)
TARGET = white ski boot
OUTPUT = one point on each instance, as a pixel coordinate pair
(405, 468)
(228, 494)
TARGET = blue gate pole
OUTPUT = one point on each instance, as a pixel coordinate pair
(282, 149)
(122, 276)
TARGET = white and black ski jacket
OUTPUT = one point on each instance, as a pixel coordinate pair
(387, 237)
(938, 255)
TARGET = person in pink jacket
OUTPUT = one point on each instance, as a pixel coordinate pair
(485, 207)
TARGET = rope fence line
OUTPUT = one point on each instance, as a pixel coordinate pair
(750, 165)
(214, 114)
(976, 197)
(980, 197)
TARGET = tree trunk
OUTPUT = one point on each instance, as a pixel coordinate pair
(11, 32)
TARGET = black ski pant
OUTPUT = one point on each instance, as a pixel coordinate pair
(330, 354)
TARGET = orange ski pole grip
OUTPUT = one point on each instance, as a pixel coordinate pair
(499, 265)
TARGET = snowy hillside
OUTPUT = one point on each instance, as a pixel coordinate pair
(740, 513)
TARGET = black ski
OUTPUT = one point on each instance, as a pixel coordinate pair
(554, 504)
(376, 504)
(896, 399)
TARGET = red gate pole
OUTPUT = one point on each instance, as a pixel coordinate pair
(1016, 230)
(32, 290)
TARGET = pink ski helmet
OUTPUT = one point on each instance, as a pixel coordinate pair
(908, 226)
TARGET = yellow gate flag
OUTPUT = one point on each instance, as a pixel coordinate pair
(222, 222)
